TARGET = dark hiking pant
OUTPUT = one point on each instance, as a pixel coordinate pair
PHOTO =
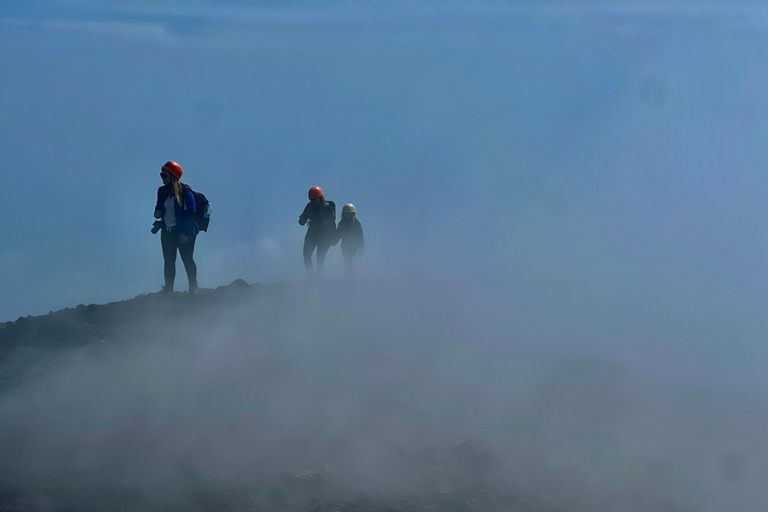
(348, 254)
(312, 242)
(171, 242)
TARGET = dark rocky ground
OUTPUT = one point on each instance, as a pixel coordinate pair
(464, 476)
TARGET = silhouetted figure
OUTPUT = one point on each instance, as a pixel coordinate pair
(350, 232)
(176, 209)
(321, 215)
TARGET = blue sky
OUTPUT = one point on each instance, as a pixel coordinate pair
(589, 146)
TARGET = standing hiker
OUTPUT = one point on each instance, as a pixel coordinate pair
(321, 215)
(176, 210)
(350, 232)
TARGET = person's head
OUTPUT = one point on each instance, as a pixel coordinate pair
(170, 170)
(170, 173)
(316, 195)
(348, 211)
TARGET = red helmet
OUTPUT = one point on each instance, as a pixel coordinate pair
(173, 168)
(315, 192)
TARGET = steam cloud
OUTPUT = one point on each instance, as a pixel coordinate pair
(388, 388)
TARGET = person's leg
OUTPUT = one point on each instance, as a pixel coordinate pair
(322, 250)
(347, 260)
(309, 246)
(187, 251)
(169, 243)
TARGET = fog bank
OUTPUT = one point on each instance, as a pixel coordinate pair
(384, 387)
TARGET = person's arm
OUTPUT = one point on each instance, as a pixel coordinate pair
(338, 234)
(362, 238)
(304, 216)
(159, 208)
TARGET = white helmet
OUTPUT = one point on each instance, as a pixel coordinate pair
(348, 208)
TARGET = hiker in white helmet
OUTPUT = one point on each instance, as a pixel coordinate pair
(350, 232)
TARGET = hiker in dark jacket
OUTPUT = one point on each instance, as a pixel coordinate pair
(176, 210)
(350, 232)
(321, 233)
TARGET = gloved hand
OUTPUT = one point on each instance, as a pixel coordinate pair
(157, 226)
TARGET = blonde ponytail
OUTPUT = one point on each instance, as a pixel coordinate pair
(177, 192)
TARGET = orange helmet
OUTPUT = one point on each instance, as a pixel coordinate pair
(173, 168)
(314, 192)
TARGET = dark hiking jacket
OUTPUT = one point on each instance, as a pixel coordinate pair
(321, 218)
(185, 215)
(350, 232)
